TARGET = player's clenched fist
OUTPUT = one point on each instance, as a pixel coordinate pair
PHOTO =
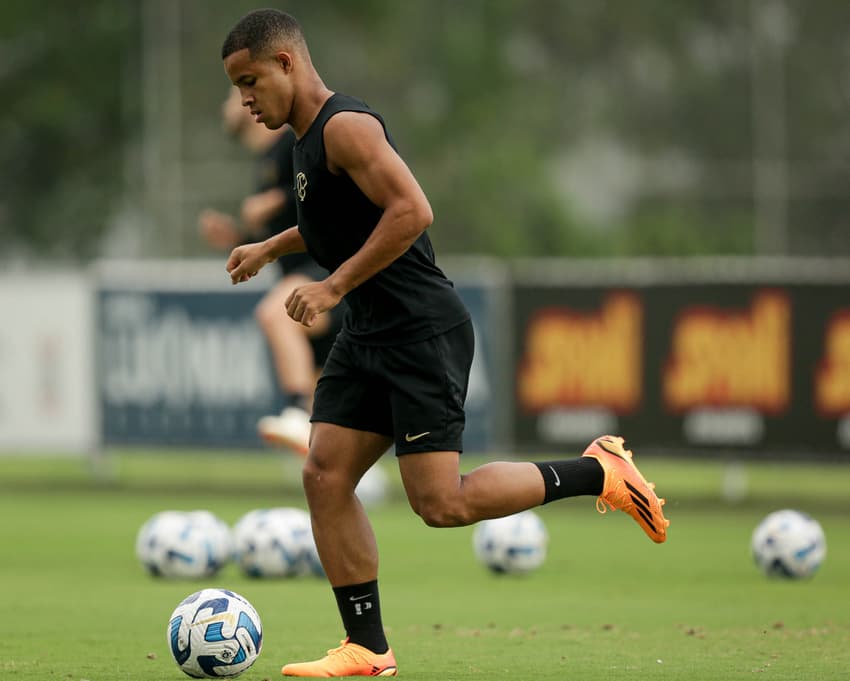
(307, 302)
(245, 261)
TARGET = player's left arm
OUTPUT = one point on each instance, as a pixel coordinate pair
(355, 144)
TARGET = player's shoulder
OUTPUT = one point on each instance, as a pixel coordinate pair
(342, 107)
(353, 122)
(351, 137)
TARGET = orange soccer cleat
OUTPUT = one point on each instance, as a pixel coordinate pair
(349, 659)
(626, 489)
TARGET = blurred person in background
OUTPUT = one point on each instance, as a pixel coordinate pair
(298, 351)
(399, 368)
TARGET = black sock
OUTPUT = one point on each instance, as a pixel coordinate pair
(300, 400)
(571, 478)
(360, 608)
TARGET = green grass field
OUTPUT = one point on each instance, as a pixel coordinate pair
(607, 604)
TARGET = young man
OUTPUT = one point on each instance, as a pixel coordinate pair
(397, 373)
(298, 352)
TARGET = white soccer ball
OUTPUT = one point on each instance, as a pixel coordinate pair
(311, 564)
(214, 633)
(276, 542)
(183, 544)
(220, 537)
(373, 486)
(788, 543)
(515, 544)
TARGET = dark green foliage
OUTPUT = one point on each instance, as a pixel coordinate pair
(69, 109)
(490, 101)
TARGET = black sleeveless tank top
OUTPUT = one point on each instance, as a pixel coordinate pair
(408, 301)
(274, 171)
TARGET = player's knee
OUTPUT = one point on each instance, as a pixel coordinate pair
(315, 478)
(321, 481)
(441, 512)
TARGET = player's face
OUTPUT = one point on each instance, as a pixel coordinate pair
(264, 85)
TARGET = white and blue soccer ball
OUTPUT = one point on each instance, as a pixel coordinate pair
(788, 543)
(214, 633)
(515, 544)
(183, 544)
(276, 542)
(373, 488)
(218, 531)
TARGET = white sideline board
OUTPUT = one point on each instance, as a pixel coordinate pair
(47, 397)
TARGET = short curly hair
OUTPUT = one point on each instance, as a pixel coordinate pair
(260, 31)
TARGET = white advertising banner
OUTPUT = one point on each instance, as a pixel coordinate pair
(47, 373)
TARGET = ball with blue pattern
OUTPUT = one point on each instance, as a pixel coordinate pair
(789, 544)
(184, 544)
(214, 633)
(276, 542)
(515, 544)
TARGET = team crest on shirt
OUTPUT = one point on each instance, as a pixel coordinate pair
(301, 186)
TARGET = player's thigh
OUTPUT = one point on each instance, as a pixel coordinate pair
(344, 452)
(348, 395)
(429, 476)
(429, 383)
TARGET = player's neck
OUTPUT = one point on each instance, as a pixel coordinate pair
(307, 104)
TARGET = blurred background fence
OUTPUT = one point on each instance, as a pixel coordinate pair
(692, 155)
(729, 357)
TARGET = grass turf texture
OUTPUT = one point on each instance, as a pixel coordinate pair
(607, 603)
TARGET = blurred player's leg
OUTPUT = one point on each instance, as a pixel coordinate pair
(288, 340)
(295, 366)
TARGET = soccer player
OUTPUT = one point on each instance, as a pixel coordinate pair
(298, 352)
(397, 373)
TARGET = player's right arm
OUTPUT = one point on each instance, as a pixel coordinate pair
(245, 261)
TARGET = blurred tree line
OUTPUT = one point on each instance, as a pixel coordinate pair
(67, 69)
(536, 127)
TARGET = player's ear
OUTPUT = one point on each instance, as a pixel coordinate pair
(284, 60)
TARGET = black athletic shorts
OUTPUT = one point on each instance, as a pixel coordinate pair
(413, 393)
(322, 344)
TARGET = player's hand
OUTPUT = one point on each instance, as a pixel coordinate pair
(218, 229)
(307, 302)
(245, 261)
